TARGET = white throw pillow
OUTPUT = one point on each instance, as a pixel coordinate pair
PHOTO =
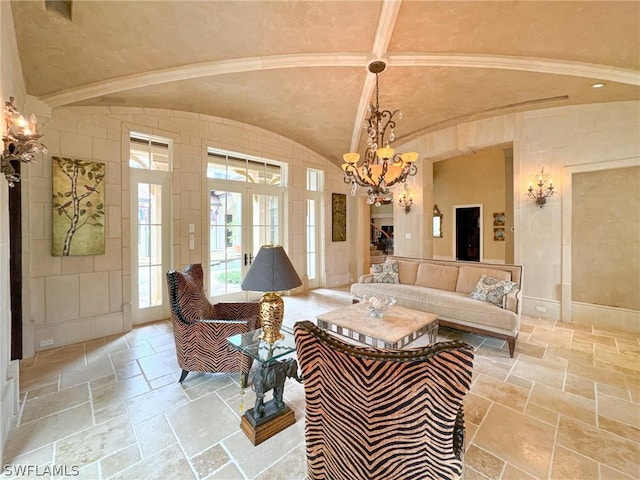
(492, 290)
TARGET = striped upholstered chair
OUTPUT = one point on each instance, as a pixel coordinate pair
(374, 413)
(201, 329)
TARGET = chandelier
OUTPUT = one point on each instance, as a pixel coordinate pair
(382, 167)
(20, 141)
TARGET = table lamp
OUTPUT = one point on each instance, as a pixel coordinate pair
(271, 271)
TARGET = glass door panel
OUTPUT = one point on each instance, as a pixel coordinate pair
(150, 252)
(225, 242)
(240, 222)
(266, 221)
(312, 251)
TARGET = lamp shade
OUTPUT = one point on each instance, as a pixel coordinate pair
(271, 271)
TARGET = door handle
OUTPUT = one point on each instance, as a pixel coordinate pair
(250, 259)
(246, 258)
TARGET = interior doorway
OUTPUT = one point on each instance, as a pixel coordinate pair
(15, 265)
(468, 229)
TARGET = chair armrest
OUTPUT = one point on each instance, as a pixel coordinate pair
(367, 278)
(225, 328)
(222, 321)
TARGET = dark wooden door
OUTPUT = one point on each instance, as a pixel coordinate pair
(15, 265)
(468, 234)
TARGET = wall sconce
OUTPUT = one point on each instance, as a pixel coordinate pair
(406, 202)
(437, 222)
(543, 191)
(20, 141)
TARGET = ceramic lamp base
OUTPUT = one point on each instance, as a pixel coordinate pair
(271, 314)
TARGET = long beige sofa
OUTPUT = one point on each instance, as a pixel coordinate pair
(442, 287)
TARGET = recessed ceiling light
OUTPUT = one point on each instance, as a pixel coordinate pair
(598, 85)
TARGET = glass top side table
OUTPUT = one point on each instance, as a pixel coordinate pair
(251, 344)
(266, 419)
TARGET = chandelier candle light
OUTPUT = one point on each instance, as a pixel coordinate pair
(20, 141)
(382, 167)
(542, 192)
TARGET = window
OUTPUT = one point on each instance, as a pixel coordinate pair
(224, 166)
(149, 153)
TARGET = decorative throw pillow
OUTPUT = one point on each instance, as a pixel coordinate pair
(492, 290)
(386, 272)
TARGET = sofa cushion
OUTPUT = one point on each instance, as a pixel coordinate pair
(386, 272)
(443, 277)
(492, 290)
(468, 277)
(407, 272)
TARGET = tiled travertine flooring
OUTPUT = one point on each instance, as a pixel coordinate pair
(566, 406)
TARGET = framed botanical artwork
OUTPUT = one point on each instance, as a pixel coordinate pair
(498, 234)
(78, 207)
(498, 219)
(338, 217)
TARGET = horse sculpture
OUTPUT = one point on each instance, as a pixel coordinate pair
(272, 376)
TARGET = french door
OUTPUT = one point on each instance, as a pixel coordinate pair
(150, 218)
(241, 219)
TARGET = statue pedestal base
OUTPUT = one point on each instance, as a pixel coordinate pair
(273, 421)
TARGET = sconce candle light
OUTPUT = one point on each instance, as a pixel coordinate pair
(406, 202)
(543, 189)
(20, 141)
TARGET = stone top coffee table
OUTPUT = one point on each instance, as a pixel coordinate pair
(397, 328)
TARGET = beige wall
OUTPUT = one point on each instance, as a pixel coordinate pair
(606, 237)
(77, 298)
(588, 137)
(473, 179)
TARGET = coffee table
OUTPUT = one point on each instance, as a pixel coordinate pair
(397, 328)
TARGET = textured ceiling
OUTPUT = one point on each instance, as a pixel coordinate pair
(299, 68)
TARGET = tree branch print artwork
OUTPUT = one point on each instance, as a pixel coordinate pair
(78, 207)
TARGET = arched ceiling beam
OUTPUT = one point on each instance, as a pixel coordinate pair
(504, 62)
(386, 23)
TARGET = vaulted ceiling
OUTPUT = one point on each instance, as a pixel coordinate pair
(299, 68)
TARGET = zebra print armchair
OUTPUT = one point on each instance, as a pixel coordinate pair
(375, 413)
(201, 329)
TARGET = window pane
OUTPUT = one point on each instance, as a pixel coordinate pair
(160, 161)
(314, 180)
(144, 245)
(217, 166)
(273, 174)
(155, 244)
(255, 172)
(139, 159)
(144, 287)
(148, 153)
(156, 282)
(155, 204)
(237, 169)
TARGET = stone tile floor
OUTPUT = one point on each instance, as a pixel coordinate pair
(566, 406)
